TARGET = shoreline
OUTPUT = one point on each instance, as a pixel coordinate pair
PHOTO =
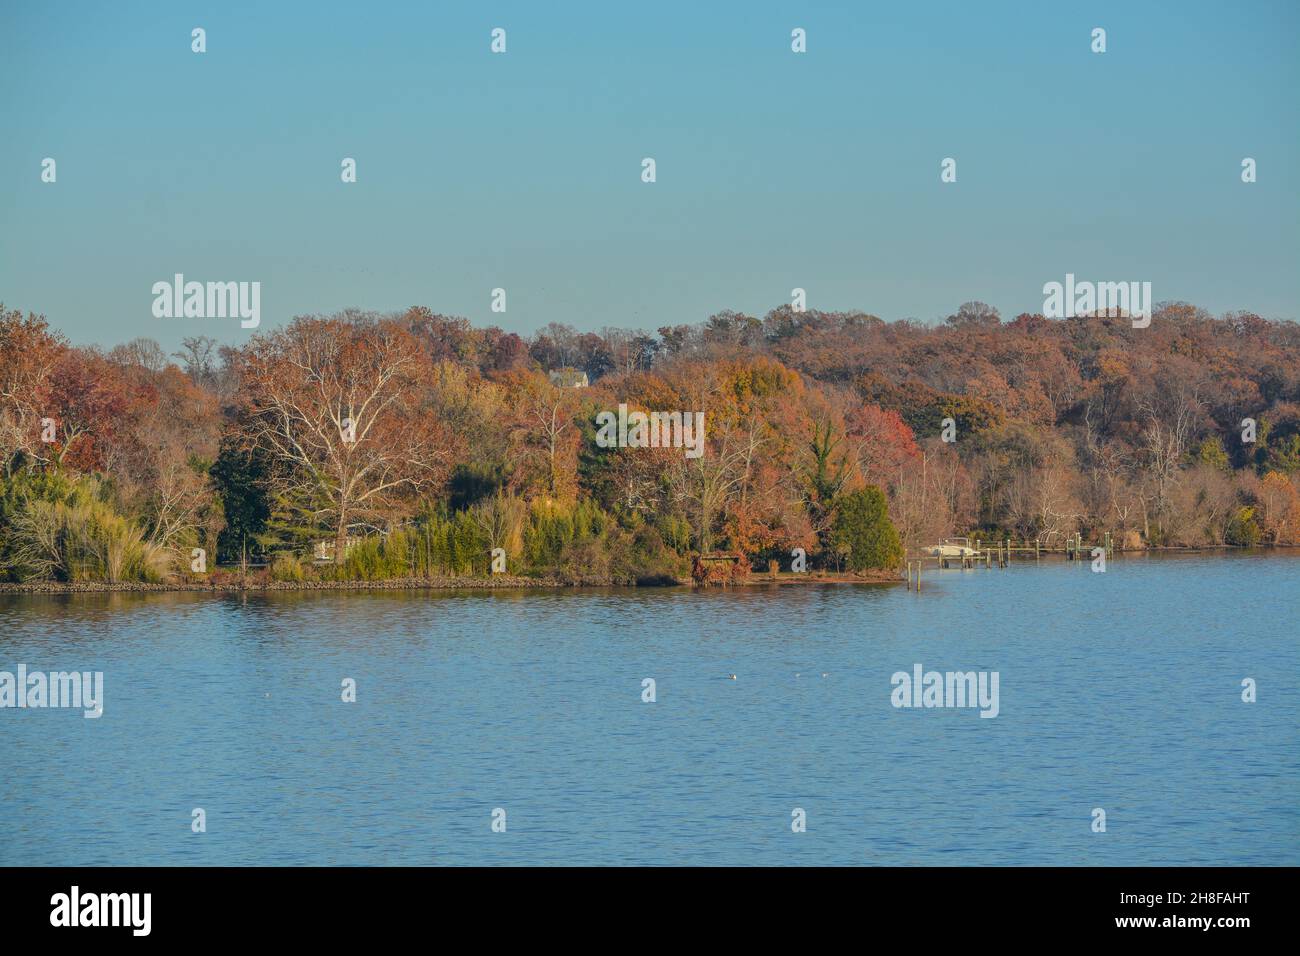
(497, 583)
(519, 583)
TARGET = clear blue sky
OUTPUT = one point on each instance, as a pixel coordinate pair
(522, 170)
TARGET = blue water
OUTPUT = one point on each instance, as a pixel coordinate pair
(1119, 690)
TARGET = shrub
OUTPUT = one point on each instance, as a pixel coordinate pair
(862, 527)
(80, 538)
(377, 558)
(1242, 528)
(553, 527)
(447, 544)
(285, 566)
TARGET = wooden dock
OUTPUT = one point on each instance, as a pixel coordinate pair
(1001, 553)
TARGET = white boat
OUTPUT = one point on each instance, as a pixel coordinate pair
(952, 548)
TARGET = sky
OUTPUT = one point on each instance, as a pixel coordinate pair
(523, 170)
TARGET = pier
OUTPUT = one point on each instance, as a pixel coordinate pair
(1001, 553)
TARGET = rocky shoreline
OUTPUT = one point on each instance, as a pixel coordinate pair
(513, 582)
(496, 582)
(395, 584)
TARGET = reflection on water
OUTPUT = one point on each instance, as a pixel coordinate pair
(1118, 690)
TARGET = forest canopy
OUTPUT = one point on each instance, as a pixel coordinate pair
(415, 443)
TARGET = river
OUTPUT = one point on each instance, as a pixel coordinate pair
(1118, 691)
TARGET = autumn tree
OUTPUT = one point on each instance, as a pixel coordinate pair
(340, 405)
(89, 399)
(29, 355)
(546, 429)
(1279, 508)
(174, 439)
(881, 444)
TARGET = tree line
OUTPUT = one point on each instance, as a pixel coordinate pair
(414, 444)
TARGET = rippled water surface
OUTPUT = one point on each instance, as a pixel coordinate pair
(1119, 690)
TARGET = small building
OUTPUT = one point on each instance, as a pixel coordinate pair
(569, 378)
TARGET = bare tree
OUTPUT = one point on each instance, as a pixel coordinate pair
(198, 357)
(338, 403)
(706, 484)
(29, 355)
(1171, 421)
(548, 416)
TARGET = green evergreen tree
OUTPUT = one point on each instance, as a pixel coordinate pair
(862, 525)
(240, 480)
